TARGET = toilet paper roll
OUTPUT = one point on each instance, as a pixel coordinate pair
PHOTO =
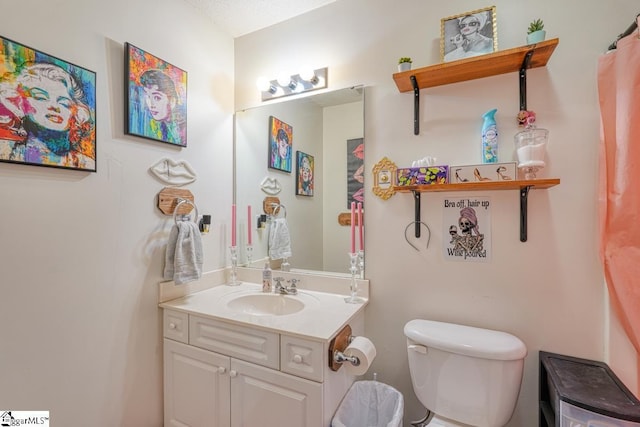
(364, 350)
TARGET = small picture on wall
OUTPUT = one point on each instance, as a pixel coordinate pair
(280, 144)
(47, 110)
(355, 171)
(156, 98)
(468, 34)
(468, 223)
(304, 174)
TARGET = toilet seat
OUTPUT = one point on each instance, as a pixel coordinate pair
(438, 421)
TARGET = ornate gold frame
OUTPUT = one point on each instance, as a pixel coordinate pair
(384, 178)
(447, 24)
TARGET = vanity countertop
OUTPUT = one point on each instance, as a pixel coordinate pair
(323, 316)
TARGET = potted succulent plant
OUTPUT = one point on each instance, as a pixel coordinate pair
(404, 63)
(536, 32)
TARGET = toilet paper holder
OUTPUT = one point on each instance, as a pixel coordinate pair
(340, 357)
(337, 347)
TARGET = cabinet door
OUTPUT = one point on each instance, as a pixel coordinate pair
(267, 398)
(196, 387)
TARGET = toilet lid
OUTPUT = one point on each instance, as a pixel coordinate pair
(466, 340)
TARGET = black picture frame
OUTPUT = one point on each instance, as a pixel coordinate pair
(305, 165)
(280, 145)
(155, 98)
(47, 110)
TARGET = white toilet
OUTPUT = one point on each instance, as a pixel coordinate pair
(465, 376)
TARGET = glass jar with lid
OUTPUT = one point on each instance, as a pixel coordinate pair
(531, 146)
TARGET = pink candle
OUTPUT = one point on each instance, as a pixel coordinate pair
(233, 225)
(360, 226)
(249, 225)
(353, 227)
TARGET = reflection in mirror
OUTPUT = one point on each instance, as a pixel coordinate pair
(320, 127)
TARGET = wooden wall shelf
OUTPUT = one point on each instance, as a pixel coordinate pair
(523, 185)
(477, 186)
(491, 64)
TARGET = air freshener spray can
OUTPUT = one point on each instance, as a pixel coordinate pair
(489, 137)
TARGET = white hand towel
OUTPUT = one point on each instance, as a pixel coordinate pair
(170, 254)
(279, 239)
(183, 260)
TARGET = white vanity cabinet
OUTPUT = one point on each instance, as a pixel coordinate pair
(222, 374)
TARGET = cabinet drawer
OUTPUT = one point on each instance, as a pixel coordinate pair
(574, 416)
(303, 358)
(176, 325)
(251, 345)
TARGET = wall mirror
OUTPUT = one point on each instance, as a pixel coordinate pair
(322, 128)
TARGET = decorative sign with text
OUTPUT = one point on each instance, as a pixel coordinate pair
(468, 223)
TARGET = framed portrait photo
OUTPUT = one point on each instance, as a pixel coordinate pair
(47, 110)
(468, 34)
(280, 145)
(155, 97)
(304, 174)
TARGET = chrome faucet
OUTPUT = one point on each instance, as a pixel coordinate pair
(283, 290)
(293, 289)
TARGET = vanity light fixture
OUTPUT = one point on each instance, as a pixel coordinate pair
(294, 84)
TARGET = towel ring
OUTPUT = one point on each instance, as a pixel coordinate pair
(277, 208)
(175, 211)
(407, 229)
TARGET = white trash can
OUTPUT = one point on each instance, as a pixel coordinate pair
(370, 404)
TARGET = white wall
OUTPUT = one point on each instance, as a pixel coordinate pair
(81, 254)
(549, 290)
(341, 123)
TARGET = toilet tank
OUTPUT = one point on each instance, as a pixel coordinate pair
(467, 374)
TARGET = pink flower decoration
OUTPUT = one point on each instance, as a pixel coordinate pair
(526, 117)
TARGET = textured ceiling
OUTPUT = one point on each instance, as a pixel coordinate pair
(239, 17)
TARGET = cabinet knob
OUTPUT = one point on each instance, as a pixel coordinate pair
(172, 325)
(233, 373)
(222, 370)
(297, 358)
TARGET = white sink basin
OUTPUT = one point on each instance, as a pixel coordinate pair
(266, 304)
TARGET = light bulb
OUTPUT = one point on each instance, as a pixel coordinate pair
(308, 74)
(263, 84)
(284, 80)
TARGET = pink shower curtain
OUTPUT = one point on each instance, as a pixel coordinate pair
(619, 192)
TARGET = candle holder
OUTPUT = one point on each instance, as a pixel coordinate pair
(249, 249)
(361, 263)
(354, 298)
(233, 280)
